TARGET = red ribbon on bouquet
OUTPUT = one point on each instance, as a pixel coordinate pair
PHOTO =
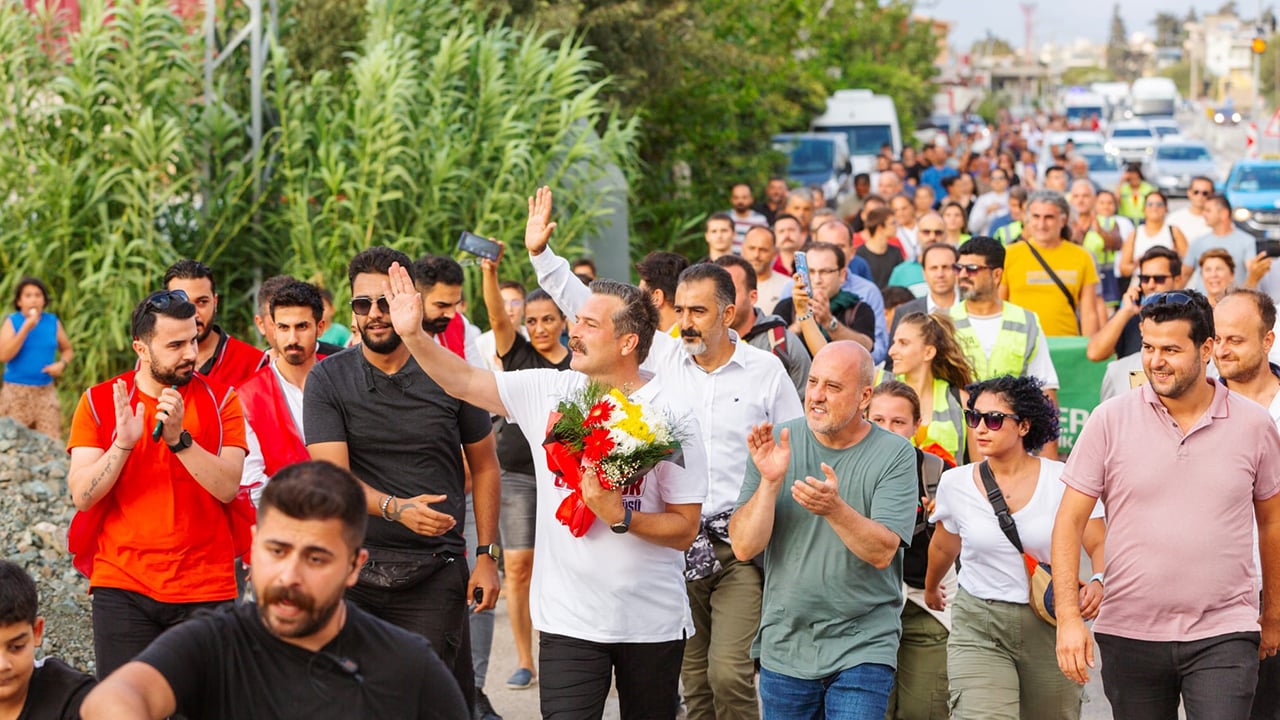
(573, 512)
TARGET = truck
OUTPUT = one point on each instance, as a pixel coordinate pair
(1083, 109)
(1153, 97)
(867, 121)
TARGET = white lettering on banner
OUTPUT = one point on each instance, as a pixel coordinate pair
(1070, 422)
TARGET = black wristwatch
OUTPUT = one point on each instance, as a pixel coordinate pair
(625, 525)
(493, 550)
(184, 442)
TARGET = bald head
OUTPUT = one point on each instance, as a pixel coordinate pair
(853, 358)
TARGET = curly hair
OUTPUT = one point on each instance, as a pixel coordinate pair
(1026, 397)
(939, 332)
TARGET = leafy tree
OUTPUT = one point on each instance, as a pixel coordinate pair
(992, 46)
(1170, 31)
(1118, 45)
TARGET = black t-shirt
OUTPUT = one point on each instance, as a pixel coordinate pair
(513, 449)
(881, 264)
(859, 317)
(1130, 340)
(225, 664)
(55, 692)
(403, 435)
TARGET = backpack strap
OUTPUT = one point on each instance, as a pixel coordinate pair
(998, 503)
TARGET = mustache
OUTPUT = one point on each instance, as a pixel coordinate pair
(294, 348)
(691, 333)
(276, 594)
(577, 346)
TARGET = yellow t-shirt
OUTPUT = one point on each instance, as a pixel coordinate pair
(1032, 288)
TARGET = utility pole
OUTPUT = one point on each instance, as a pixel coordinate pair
(260, 32)
(1028, 28)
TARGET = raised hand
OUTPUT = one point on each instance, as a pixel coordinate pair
(129, 427)
(404, 300)
(800, 296)
(538, 229)
(491, 266)
(771, 457)
(169, 409)
(820, 497)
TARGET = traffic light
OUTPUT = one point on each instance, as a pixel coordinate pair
(1258, 46)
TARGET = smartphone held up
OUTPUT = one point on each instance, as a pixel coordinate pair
(472, 243)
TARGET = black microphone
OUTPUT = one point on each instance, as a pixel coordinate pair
(347, 666)
(155, 433)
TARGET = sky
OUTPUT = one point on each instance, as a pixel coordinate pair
(1059, 22)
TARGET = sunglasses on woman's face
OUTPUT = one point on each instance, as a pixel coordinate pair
(362, 304)
(994, 420)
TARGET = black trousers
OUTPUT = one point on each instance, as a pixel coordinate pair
(1215, 677)
(125, 623)
(435, 608)
(576, 674)
(1266, 701)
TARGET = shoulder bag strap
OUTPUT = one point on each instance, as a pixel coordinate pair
(1056, 280)
(996, 498)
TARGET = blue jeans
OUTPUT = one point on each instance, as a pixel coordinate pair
(859, 693)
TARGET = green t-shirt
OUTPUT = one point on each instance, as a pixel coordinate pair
(825, 610)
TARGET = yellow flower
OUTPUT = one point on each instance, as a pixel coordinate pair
(636, 428)
(632, 410)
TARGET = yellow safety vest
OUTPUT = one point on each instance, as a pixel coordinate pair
(1008, 233)
(1131, 206)
(946, 425)
(1015, 345)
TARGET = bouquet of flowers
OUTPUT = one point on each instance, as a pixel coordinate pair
(619, 439)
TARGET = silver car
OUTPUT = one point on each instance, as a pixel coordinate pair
(1104, 169)
(1133, 141)
(1175, 162)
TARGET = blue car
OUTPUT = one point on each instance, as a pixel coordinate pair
(1253, 188)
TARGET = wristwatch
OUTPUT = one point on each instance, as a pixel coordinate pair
(625, 525)
(831, 326)
(184, 442)
(493, 550)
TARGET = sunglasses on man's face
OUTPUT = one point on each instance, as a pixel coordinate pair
(1157, 279)
(994, 420)
(164, 299)
(362, 304)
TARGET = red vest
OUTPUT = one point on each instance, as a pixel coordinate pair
(266, 409)
(454, 337)
(237, 361)
(82, 536)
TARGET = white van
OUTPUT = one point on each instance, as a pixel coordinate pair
(867, 120)
(1154, 97)
(1082, 107)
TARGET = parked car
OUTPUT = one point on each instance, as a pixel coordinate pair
(1105, 169)
(1081, 141)
(1253, 187)
(1132, 140)
(1175, 162)
(1165, 128)
(815, 158)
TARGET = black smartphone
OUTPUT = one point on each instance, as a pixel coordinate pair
(478, 595)
(470, 242)
(1271, 248)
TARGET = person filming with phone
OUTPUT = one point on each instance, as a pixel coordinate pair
(818, 310)
(1159, 270)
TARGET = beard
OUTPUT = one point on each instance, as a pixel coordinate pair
(314, 617)
(294, 354)
(202, 331)
(437, 326)
(693, 348)
(178, 375)
(1175, 387)
(385, 346)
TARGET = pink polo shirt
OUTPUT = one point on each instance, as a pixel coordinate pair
(1179, 512)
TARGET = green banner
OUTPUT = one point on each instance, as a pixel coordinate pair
(1081, 381)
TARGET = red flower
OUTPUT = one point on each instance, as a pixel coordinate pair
(596, 445)
(599, 413)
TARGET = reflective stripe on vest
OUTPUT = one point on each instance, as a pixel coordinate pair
(1008, 233)
(946, 425)
(1015, 345)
